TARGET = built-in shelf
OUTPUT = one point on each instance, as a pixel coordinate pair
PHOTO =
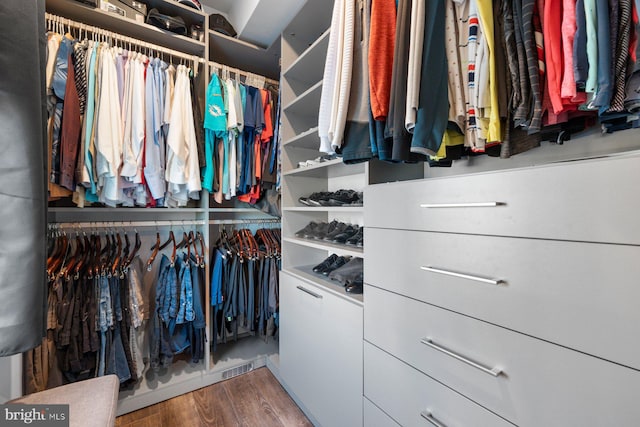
(328, 169)
(128, 27)
(343, 209)
(245, 56)
(321, 244)
(307, 103)
(308, 139)
(305, 68)
(306, 273)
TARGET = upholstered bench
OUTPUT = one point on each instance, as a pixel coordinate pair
(92, 403)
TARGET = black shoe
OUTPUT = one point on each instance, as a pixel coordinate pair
(356, 238)
(325, 264)
(321, 230)
(308, 230)
(348, 233)
(318, 199)
(342, 198)
(354, 287)
(340, 228)
(359, 201)
(311, 200)
(339, 262)
(321, 233)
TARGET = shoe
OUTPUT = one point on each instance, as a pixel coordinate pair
(340, 228)
(310, 200)
(339, 262)
(359, 202)
(354, 288)
(350, 272)
(316, 199)
(342, 198)
(321, 232)
(348, 233)
(308, 230)
(325, 264)
(356, 238)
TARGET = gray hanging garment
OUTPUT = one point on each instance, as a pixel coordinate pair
(23, 168)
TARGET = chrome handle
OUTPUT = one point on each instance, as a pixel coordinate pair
(313, 294)
(463, 205)
(462, 275)
(432, 420)
(494, 372)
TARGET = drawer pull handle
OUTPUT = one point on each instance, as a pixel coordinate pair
(462, 275)
(494, 372)
(313, 294)
(432, 420)
(463, 205)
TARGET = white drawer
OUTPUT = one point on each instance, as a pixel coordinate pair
(593, 201)
(414, 399)
(539, 384)
(580, 295)
(374, 417)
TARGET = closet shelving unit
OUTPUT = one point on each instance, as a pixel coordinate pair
(320, 324)
(234, 357)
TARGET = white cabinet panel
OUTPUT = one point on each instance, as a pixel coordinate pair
(535, 384)
(580, 295)
(321, 351)
(374, 417)
(412, 398)
(593, 200)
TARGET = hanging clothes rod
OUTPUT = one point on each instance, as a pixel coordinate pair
(124, 224)
(244, 221)
(55, 19)
(246, 74)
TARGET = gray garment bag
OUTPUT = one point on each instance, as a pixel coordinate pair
(23, 197)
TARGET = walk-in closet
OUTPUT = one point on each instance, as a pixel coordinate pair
(306, 212)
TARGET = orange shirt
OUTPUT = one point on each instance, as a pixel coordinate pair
(382, 39)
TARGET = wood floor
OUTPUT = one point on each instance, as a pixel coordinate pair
(252, 400)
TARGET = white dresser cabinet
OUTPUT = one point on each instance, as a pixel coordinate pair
(510, 295)
(321, 351)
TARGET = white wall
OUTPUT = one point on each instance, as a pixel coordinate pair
(10, 377)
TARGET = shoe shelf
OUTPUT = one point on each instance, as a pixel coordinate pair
(110, 21)
(304, 71)
(307, 103)
(329, 169)
(338, 248)
(306, 273)
(308, 139)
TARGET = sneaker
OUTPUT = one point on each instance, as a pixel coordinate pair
(310, 200)
(318, 232)
(322, 232)
(356, 238)
(325, 264)
(340, 228)
(343, 237)
(307, 230)
(339, 262)
(359, 202)
(342, 198)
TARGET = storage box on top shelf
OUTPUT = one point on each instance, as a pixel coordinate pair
(120, 8)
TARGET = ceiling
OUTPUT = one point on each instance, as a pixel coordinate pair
(256, 21)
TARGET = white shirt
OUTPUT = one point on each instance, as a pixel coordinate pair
(414, 72)
(182, 169)
(108, 138)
